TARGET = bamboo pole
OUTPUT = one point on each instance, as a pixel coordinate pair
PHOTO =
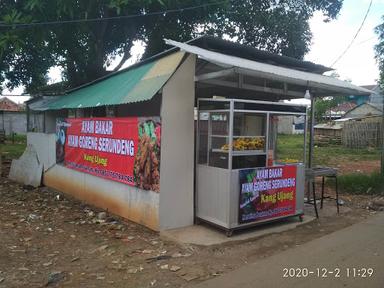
(382, 139)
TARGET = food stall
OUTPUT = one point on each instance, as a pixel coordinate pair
(240, 176)
(239, 180)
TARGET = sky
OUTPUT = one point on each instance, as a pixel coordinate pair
(331, 39)
(328, 43)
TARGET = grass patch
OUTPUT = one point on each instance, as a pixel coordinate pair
(16, 138)
(291, 146)
(13, 150)
(358, 183)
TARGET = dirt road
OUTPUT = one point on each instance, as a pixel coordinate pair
(352, 257)
(50, 239)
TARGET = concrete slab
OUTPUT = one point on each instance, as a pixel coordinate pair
(27, 169)
(45, 147)
(342, 257)
(205, 235)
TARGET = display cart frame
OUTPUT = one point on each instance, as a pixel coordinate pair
(218, 188)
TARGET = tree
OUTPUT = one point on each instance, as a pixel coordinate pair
(380, 59)
(85, 50)
(24, 58)
(380, 51)
(323, 105)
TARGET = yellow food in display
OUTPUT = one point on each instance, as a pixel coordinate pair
(225, 147)
(241, 144)
(288, 160)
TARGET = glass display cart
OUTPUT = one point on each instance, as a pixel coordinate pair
(239, 181)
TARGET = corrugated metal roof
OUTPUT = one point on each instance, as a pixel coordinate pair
(140, 83)
(41, 104)
(248, 52)
(273, 72)
(330, 126)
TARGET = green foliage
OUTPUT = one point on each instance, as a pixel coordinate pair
(24, 54)
(14, 150)
(17, 138)
(380, 51)
(322, 105)
(358, 183)
(85, 50)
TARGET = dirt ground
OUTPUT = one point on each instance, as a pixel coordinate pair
(360, 166)
(49, 239)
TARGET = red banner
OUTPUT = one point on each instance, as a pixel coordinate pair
(126, 150)
(267, 193)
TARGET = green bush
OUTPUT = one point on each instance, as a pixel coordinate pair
(14, 150)
(358, 183)
(17, 138)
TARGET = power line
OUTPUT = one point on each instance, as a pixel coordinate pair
(58, 22)
(354, 38)
(364, 41)
(10, 95)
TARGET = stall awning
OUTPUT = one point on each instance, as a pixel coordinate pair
(134, 84)
(328, 86)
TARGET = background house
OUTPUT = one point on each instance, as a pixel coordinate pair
(356, 123)
(363, 124)
(376, 98)
(7, 104)
(339, 111)
(13, 117)
(290, 125)
(364, 110)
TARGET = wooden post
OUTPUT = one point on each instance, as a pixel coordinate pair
(311, 188)
(28, 118)
(311, 131)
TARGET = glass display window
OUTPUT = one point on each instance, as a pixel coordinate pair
(241, 139)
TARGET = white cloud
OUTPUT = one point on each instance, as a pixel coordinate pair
(137, 52)
(17, 91)
(331, 39)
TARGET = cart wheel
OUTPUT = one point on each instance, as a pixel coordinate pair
(301, 218)
(229, 233)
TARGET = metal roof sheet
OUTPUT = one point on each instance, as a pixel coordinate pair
(41, 104)
(140, 83)
(248, 52)
(330, 126)
(268, 71)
